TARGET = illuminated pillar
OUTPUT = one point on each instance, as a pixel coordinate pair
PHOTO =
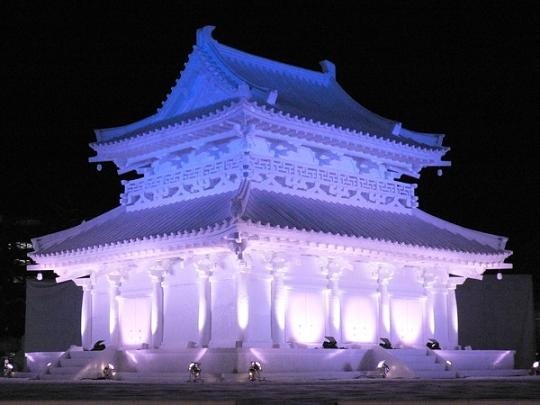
(205, 312)
(333, 271)
(157, 278)
(115, 281)
(440, 310)
(224, 320)
(453, 282)
(243, 301)
(278, 297)
(429, 316)
(384, 276)
(86, 311)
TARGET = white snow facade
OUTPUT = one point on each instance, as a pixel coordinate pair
(269, 213)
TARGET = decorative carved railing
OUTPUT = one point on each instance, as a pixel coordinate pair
(270, 173)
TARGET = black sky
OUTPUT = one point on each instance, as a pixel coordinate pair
(470, 72)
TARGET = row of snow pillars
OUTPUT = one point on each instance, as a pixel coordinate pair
(441, 320)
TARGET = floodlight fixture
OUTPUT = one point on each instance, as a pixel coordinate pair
(8, 368)
(382, 369)
(329, 343)
(99, 345)
(194, 369)
(109, 372)
(254, 372)
(385, 343)
(535, 368)
(39, 276)
(433, 344)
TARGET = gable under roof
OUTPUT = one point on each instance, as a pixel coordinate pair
(289, 89)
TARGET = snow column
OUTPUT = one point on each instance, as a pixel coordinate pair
(254, 304)
(333, 273)
(429, 316)
(115, 281)
(452, 311)
(278, 297)
(384, 276)
(157, 277)
(86, 311)
(225, 330)
(439, 292)
(204, 270)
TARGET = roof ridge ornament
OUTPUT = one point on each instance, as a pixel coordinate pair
(397, 129)
(204, 34)
(239, 201)
(272, 96)
(328, 68)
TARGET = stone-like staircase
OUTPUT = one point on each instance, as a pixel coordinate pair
(77, 365)
(423, 363)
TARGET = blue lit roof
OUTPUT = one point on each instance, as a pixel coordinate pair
(298, 92)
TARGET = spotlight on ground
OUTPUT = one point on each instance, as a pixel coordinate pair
(329, 343)
(385, 343)
(99, 345)
(382, 369)
(254, 371)
(8, 368)
(447, 365)
(535, 369)
(433, 344)
(194, 369)
(109, 372)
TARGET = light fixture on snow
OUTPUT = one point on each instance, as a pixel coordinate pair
(433, 344)
(109, 372)
(329, 343)
(39, 276)
(8, 368)
(385, 343)
(194, 369)
(254, 371)
(535, 369)
(447, 365)
(382, 369)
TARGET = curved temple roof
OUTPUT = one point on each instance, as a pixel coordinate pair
(274, 210)
(291, 90)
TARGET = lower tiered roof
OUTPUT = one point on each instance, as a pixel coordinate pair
(276, 211)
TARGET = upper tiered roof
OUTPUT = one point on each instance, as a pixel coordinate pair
(231, 75)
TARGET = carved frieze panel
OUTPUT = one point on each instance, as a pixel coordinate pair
(220, 166)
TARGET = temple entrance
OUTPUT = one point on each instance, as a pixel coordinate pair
(305, 317)
(135, 314)
(407, 321)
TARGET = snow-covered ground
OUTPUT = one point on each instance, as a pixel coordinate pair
(316, 391)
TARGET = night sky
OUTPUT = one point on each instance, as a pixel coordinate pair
(471, 73)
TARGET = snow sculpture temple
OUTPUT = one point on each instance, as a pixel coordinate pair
(268, 213)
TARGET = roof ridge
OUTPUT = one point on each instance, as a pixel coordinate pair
(204, 37)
